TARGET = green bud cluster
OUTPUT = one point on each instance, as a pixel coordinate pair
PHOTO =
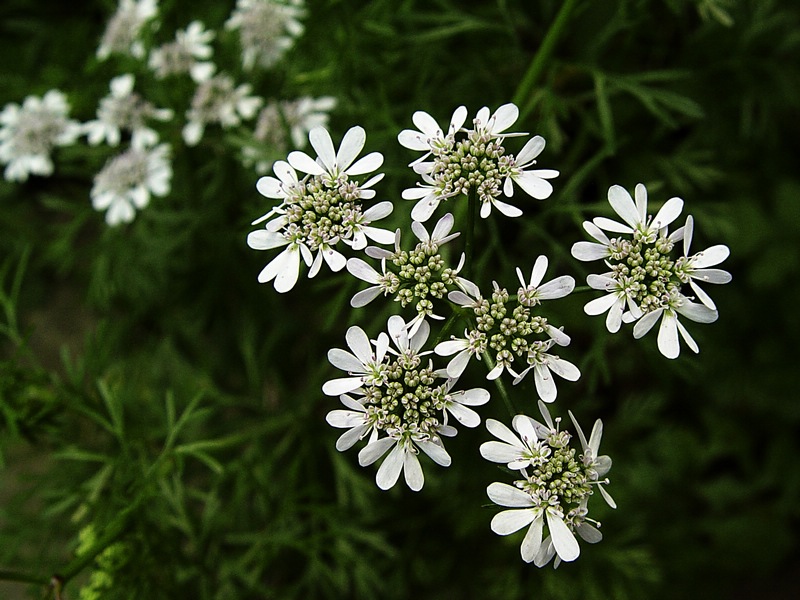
(322, 210)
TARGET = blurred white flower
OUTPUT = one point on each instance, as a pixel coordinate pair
(125, 110)
(123, 29)
(187, 54)
(267, 29)
(29, 133)
(127, 181)
(218, 100)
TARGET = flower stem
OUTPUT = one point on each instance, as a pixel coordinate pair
(501, 387)
(8, 575)
(472, 210)
(525, 88)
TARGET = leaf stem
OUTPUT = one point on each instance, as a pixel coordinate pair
(542, 55)
(469, 243)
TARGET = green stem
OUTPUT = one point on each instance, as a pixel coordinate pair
(469, 243)
(536, 67)
(7, 575)
(501, 387)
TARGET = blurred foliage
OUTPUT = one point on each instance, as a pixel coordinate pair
(161, 421)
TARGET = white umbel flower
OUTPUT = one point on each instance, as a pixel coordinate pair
(430, 136)
(634, 214)
(123, 29)
(127, 181)
(668, 341)
(188, 54)
(29, 133)
(219, 100)
(554, 490)
(125, 110)
(267, 29)
(695, 268)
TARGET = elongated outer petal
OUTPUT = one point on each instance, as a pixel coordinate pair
(668, 213)
(366, 164)
(588, 532)
(458, 118)
(588, 251)
(533, 185)
(563, 368)
(390, 468)
(509, 521)
(466, 416)
(688, 231)
(381, 236)
(546, 552)
(646, 323)
(668, 343)
(622, 203)
(269, 187)
(606, 224)
(342, 385)
(420, 231)
(697, 312)
(500, 452)
(349, 438)
(450, 347)
(504, 117)
(436, 452)
(711, 256)
(715, 276)
(545, 386)
(596, 437)
(352, 143)
(378, 212)
(640, 193)
(341, 359)
(579, 431)
(505, 208)
(323, 145)
(501, 432)
(687, 337)
(364, 297)
(413, 472)
(614, 316)
(427, 124)
(600, 305)
(344, 418)
(362, 270)
(443, 227)
(284, 269)
(557, 288)
(538, 270)
(607, 497)
(704, 298)
(412, 140)
(374, 450)
(474, 397)
(423, 210)
(531, 150)
(458, 364)
(265, 240)
(304, 163)
(334, 259)
(564, 541)
(508, 495)
(533, 540)
(359, 343)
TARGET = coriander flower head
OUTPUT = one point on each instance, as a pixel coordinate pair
(125, 110)
(267, 29)
(29, 133)
(646, 281)
(188, 53)
(127, 181)
(474, 161)
(395, 398)
(320, 209)
(219, 100)
(551, 498)
(122, 34)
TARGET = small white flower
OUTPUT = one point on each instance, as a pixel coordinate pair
(402, 458)
(267, 29)
(284, 269)
(458, 403)
(125, 110)
(544, 365)
(122, 31)
(533, 182)
(216, 100)
(127, 181)
(592, 460)
(473, 344)
(356, 420)
(430, 136)
(339, 165)
(635, 214)
(517, 452)
(695, 267)
(188, 53)
(29, 133)
(494, 125)
(364, 364)
(620, 295)
(534, 291)
(668, 343)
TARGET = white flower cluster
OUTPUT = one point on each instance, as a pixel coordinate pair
(399, 402)
(645, 282)
(267, 29)
(29, 133)
(473, 161)
(555, 488)
(319, 210)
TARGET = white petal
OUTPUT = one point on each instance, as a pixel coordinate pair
(610, 225)
(545, 386)
(533, 185)
(390, 468)
(687, 337)
(508, 495)
(600, 305)
(623, 205)
(668, 343)
(436, 452)
(413, 472)
(427, 124)
(450, 347)
(269, 187)
(531, 150)
(505, 117)
(533, 540)
(500, 431)
(362, 270)
(265, 240)
(343, 385)
(466, 416)
(366, 164)
(587, 251)
(458, 364)
(375, 449)
(715, 276)
(557, 288)
(351, 146)
(506, 209)
(349, 438)
(423, 209)
(304, 163)
(443, 227)
(323, 145)
(359, 343)
(564, 368)
(335, 260)
(607, 497)
(364, 297)
(378, 212)
(509, 521)
(341, 359)
(646, 323)
(500, 452)
(412, 140)
(711, 256)
(589, 533)
(474, 397)
(669, 212)
(564, 541)
(697, 312)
